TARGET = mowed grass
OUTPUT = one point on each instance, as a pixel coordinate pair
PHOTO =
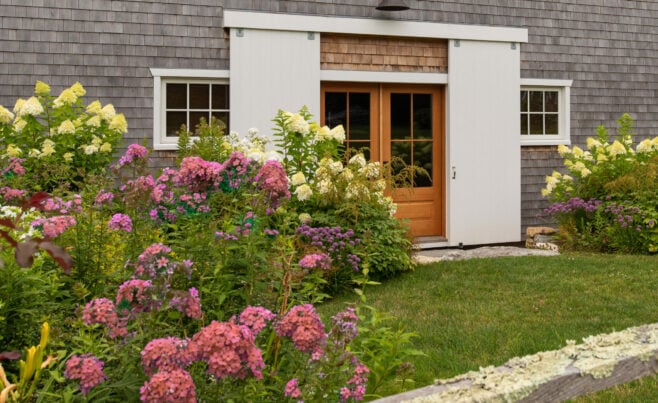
(480, 312)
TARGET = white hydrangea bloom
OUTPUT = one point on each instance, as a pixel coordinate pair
(66, 127)
(359, 160)
(298, 179)
(31, 107)
(5, 115)
(323, 134)
(371, 171)
(297, 123)
(338, 133)
(644, 146)
(303, 192)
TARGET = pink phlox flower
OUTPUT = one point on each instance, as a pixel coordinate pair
(53, 227)
(345, 327)
(142, 185)
(175, 386)
(14, 167)
(292, 389)
(8, 193)
(236, 168)
(87, 369)
(273, 180)
(120, 222)
(104, 312)
(133, 153)
(63, 207)
(136, 293)
(316, 261)
(166, 354)
(150, 263)
(229, 350)
(256, 318)
(189, 303)
(304, 326)
(356, 386)
(198, 174)
(103, 197)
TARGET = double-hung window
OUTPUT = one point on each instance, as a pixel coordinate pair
(544, 112)
(184, 97)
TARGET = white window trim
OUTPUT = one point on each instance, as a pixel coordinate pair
(383, 77)
(160, 77)
(564, 111)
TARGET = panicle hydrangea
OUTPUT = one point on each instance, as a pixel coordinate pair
(303, 192)
(135, 295)
(133, 153)
(316, 261)
(256, 318)
(229, 350)
(31, 107)
(296, 123)
(118, 122)
(120, 222)
(175, 386)
(292, 389)
(5, 115)
(41, 88)
(189, 303)
(87, 369)
(53, 227)
(298, 179)
(304, 326)
(104, 312)
(166, 354)
(67, 97)
(272, 179)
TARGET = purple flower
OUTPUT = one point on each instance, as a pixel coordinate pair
(120, 222)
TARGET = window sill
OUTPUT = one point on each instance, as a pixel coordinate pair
(545, 142)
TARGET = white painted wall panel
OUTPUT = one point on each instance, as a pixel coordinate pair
(484, 198)
(272, 70)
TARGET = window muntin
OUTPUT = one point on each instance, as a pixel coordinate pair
(540, 112)
(186, 102)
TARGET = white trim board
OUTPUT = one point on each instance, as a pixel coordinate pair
(371, 26)
(383, 77)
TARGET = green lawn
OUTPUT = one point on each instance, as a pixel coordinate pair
(482, 312)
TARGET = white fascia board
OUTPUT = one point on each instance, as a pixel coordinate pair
(383, 77)
(189, 73)
(545, 82)
(371, 26)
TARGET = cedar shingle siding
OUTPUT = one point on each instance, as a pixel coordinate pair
(608, 48)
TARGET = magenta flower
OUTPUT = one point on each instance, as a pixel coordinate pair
(189, 304)
(166, 354)
(87, 369)
(273, 180)
(8, 193)
(175, 386)
(256, 318)
(292, 389)
(54, 226)
(229, 350)
(306, 329)
(137, 294)
(103, 198)
(316, 261)
(103, 311)
(120, 222)
(133, 153)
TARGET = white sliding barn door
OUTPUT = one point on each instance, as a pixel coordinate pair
(484, 175)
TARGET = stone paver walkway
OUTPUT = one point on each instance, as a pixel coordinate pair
(437, 255)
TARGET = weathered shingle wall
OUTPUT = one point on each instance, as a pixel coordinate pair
(609, 48)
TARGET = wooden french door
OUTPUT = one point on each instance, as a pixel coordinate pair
(397, 122)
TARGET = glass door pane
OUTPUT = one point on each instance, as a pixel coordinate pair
(352, 110)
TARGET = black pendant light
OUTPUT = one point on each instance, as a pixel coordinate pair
(392, 5)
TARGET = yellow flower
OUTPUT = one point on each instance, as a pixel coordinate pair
(119, 123)
(601, 158)
(67, 97)
(585, 172)
(303, 192)
(577, 151)
(106, 147)
(19, 125)
(654, 143)
(591, 143)
(338, 133)
(5, 115)
(90, 149)
(93, 121)
(298, 179)
(18, 105)
(31, 107)
(297, 123)
(323, 133)
(13, 151)
(34, 153)
(644, 146)
(68, 157)
(78, 89)
(94, 108)
(47, 148)
(359, 160)
(107, 113)
(66, 127)
(41, 88)
(617, 148)
(563, 150)
(347, 175)
(545, 192)
(95, 140)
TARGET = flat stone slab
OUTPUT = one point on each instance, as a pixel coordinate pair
(438, 255)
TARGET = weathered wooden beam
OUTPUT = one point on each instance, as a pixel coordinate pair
(598, 363)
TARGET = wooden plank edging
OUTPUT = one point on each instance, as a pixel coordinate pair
(598, 363)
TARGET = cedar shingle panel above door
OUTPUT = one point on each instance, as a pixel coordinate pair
(376, 53)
